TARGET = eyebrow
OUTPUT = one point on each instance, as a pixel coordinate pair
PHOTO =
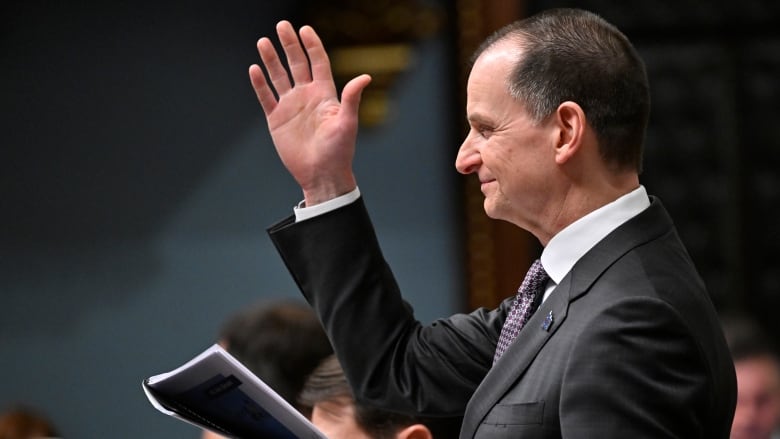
(478, 118)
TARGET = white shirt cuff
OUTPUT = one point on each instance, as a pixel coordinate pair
(304, 213)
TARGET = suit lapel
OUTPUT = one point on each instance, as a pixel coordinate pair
(511, 366)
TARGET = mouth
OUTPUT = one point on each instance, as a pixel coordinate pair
(485, 183)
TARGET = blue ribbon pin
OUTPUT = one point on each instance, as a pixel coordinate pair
(548, 321)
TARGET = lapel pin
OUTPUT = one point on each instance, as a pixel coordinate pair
(548, 321)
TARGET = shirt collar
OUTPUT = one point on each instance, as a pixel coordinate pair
(571, 243)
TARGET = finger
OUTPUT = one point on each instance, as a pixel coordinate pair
(276, 72)
(264, 93)
(350, 96)
(320, 64)
(296, 59)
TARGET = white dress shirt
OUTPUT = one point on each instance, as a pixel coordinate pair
(303, 213)
(571, 243)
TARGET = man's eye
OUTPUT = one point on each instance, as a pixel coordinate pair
(481, 130)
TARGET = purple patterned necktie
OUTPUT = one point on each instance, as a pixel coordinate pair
(522, 307)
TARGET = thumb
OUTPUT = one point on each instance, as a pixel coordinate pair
(350, 96)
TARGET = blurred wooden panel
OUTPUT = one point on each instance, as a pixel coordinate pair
(498, 253)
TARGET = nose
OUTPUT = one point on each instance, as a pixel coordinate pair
(468, 160)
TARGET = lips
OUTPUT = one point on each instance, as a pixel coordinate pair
(484, 184)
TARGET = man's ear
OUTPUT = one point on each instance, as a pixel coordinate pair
(571, 122)
(415, 431)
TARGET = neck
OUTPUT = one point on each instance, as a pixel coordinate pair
(580, 200)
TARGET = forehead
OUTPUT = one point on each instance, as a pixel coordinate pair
(493, 65)
(487, 93)
(492, 68)
(758, 373)
(503, 54)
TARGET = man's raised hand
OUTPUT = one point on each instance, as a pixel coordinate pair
(313, 132)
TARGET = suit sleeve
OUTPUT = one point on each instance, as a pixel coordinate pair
(390, 359)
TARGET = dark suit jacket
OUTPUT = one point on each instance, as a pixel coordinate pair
(631, 346)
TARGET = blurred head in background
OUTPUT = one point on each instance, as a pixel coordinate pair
(336, 413)
(280, 341)
(758, 380)
(25, 423)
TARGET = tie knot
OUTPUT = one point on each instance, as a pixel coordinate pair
(534, 279)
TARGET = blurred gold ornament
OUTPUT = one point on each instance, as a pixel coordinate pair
(375, 37)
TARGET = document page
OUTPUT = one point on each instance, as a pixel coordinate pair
(216, 392)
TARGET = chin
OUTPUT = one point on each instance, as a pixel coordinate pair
(491, 211)
(488, 208)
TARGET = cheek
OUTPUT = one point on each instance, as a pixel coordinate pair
(519, 172)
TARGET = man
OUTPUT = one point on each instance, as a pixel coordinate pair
(335, 412)
(758, 381)
(280, 341)
(625, 343)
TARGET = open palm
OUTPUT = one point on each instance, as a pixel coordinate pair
(313, 132)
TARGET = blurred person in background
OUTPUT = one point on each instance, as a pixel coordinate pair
(336, 413)
(281, 342)
(25, 423)
(758, 380)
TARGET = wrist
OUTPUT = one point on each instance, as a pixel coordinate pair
(303, 212)
(323, 192)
